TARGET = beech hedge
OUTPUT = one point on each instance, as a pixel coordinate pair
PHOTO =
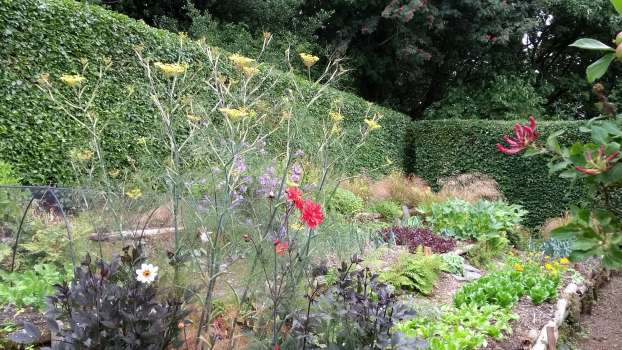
(442, 148)
(55, 37)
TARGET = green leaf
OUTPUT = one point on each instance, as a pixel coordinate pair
(591, 44)
(599, 135)
(599, 68)
(617, 4)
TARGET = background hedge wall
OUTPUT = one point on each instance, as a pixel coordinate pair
(53, 36)
(437, 149)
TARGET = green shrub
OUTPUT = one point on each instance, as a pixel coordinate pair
(388, 209)
(58, 37)
(479, 221)
(345, 202)
(452, 263)
(7, 175)
(29, 288)
(416, 272)
(438, 149)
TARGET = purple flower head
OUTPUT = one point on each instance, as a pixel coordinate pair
(268, 183)
(296, 171)
(239, 165)
(299, 154)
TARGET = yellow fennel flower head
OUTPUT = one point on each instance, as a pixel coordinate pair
(234, 114)
(308, 59)
(250, 71)
(192, 118)
(518, 267)
(564, 261)
(114, 172)
(297, 226)
(336, 129)
(44, 79)
(134, 193)
(72, 80)
(549, 266)
(372, 124)
(336, 117)
(241, 61)
(171, 69)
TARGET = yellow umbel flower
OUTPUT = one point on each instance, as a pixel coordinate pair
(518, 267)
(135, 193)
(336, 129)
(564, 261)
(372, 124)
(297, 226)
(114, 172)
(171, 69)
(234, 114)
(241, 61)
(72, 79)
(336, 116)
(308, 59)
(193, 118)
(549, 266)
(250, 71)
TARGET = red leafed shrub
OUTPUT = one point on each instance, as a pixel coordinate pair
(414, 237)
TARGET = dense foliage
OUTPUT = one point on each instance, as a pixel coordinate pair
(37, 140)
(414, 273)
(357, 313)
(478, 221)
(31, 287)
(104, 306)
(442, 59)
(439, 149)
(414, 238)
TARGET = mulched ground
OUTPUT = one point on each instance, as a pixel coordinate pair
(531, 317)
(604, 325)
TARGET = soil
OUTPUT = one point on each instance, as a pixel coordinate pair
(444, 289)
(604, 325)
(530, 317)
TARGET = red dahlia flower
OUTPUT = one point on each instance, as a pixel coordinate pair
(312, 214)
(599, 164)
(294, 194)
(280, 247)
(525, 135)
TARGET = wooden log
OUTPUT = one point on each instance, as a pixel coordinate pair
(132, 234)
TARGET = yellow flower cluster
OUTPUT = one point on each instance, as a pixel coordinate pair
(519, 267)
(171, 69)
(372, 124)
(241, 61)
(135, 193)
(308, 60)
(234, 114)
(72, 80)
(250, 71)
(336, 117)
(82, 155)
(193, 118)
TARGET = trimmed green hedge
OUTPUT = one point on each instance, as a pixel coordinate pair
(52, 36)
(443, 148)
